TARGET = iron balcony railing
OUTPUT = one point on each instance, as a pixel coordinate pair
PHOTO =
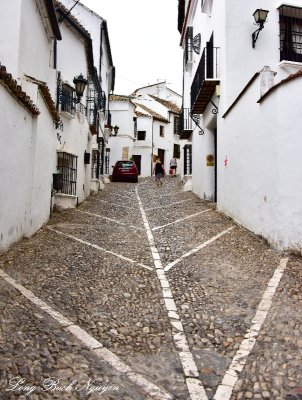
(186, 120)
(207, 70)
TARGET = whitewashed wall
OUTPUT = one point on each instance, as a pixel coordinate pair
(122, 113)
(16, 169)
(10, 35)
(27, 144)
(258, 185)
(75, 137)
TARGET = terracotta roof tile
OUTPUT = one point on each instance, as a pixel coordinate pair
(152, 113)
(65, 11)
(171, 106)
(118, 97)
(17, 92)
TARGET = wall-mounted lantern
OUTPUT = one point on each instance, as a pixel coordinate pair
(260, 19)
(114, 130)
(80, 84)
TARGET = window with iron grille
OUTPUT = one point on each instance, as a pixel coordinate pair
(68, 99)
(141, 135)
(94, 164)
(161, 130)
(188, 159)
(290, 21)
(67, 166)
(176, 150)
(176, 125)
(189, 44)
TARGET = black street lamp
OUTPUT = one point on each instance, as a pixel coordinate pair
(115, 130)
(80, 84)
(260, 19)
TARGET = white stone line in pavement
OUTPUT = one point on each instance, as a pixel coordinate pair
(93, 344)
(110, 219)
(194, 385)
(117, 205)
(181, 219)
(201, 246)
(101, 249)
(225, 389)
(168, 205)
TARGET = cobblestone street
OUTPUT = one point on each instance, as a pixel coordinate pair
(149, 293)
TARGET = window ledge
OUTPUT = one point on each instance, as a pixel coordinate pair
(67, 115)
(290, 66)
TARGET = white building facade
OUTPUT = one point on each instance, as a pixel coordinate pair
(50, 139)
(28, 114)
(244, 94)
(148, 123)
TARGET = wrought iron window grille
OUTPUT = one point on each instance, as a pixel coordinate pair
(66, 97)
(67, 166)
(189, 45)
(185, 120)
(290, 23)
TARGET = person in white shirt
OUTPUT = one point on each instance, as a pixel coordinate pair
(173, 166)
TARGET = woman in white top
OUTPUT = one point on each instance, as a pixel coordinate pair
(173, 166)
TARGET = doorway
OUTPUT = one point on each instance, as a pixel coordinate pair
(161, 155)
(137, 159)
(215, 165)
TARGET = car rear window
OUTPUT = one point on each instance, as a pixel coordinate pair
(125, 164)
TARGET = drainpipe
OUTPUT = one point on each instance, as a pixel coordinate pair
(152, 148)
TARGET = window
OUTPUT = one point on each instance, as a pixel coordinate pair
(188, 159)
(67, 166)
(290, 20)
(68, 99)
(176, 151)
(176, 125)
(161, 131)
(141, 135)
(94, 164)
(189, 43)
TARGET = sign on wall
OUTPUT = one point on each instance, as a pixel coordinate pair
(125, 153)
(210, 160)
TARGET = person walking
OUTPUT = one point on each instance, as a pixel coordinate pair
(173, 166)
(158, 170)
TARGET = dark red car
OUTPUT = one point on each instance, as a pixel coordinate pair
(125, 170)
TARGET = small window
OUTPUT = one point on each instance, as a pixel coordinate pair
(176, 125)
(189, 45)
(176, 151)
(141, 135)
(290, 33)
(161, 130)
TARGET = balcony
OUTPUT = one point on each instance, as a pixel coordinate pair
(185, 124)
(205, 80)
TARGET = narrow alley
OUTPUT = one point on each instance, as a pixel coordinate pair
(149, 293)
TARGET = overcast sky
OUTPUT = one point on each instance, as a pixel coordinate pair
(144, 42)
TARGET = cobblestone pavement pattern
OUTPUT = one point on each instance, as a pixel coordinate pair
(149, 293)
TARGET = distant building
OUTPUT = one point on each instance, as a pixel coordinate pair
(148, 123)
(242, 85)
